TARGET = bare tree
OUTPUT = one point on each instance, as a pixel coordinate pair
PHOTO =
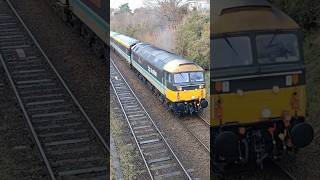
(172, 10)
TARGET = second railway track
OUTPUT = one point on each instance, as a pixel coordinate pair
(199, 129)
(69, 143)
(160, 160)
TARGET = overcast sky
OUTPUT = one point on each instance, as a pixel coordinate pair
(133, 4)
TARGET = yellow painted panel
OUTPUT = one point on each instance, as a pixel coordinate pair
(248, 107)
(122, 43)
(185, 95)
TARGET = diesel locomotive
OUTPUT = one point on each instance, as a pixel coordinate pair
(258, 84)
(179, 83)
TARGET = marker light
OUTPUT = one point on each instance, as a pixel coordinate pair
(225, 86)
(275, 89)
(201, 86)
(286, 117)
(289, 80)
(295, 79)
(179, 88)
(242, 130)
(218, 86)
(295, 101)
(240, 92)
(266, 113)
(218, 110)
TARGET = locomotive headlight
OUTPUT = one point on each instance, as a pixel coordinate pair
(289, 80)
(275, 89)
(225, 86)
(179, 88)
(266, 113)
(240, 92)
(201, 86)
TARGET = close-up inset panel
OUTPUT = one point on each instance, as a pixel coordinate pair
(262, 112)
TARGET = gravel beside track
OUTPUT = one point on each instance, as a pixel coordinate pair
(199, 128)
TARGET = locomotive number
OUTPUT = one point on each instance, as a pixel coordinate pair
(152, 71)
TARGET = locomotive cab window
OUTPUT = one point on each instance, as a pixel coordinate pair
(181, 78)
(277, 48)
(196, 77)
(193, 77)
(232, 51)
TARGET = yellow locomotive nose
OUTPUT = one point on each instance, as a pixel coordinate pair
(185, 95)
(260, 105)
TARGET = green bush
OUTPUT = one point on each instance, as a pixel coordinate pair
(312, 59)
(192, 38)
(305, 12)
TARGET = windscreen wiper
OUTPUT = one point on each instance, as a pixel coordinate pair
(230, 45)
(273, 38)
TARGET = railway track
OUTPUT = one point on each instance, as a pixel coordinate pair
(271, 170)
(282, 170)
(69, 143)
(206, 122)
(197, 126)
(160, 160)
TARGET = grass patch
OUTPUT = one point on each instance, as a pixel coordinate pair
(125, 151)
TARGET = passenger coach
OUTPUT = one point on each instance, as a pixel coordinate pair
(122, 44)
(90, 18)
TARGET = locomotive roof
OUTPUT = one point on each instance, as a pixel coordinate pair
(165, 60)
(125, 40)
(229, 16)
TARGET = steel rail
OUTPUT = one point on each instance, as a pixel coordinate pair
(195, 136)
(34, 134)
(290, 176)
(204, 120)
